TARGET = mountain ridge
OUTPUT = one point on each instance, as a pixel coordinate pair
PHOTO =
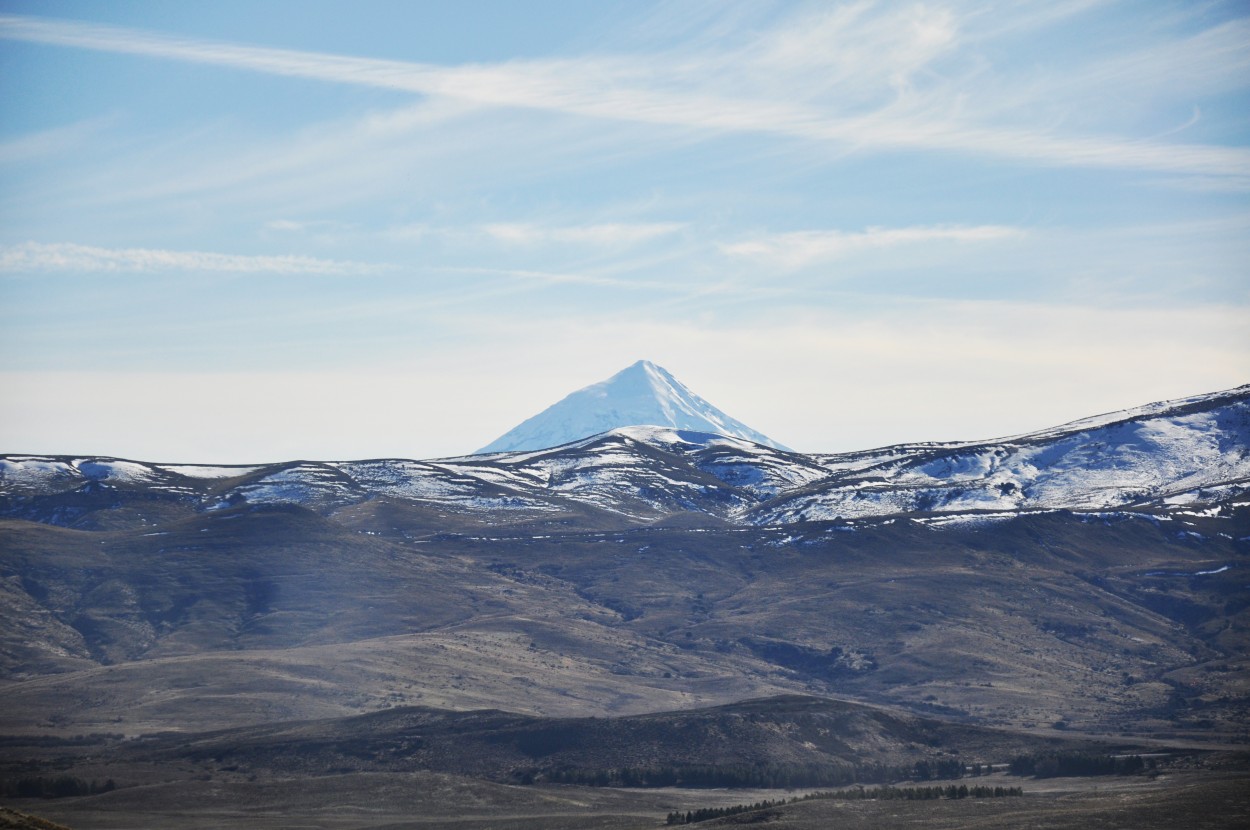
(1166, 455)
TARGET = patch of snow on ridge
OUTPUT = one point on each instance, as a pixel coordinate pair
(1209, 513)
(464, 489)
(954, 520)
(207, 471)
(111, 469)
(303, 483)
(35, 474)
(664, 436)
(408, 479)
(1218, 570)
(31, 470)
(509, 476)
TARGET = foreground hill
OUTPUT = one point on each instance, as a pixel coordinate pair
(788, 740)
(254, 614)
(416, 767)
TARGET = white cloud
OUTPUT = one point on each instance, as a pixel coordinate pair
(860, 77)
(1214, 58)
(800, 248)
(324, 163)
(856, 51)
(56, 141)
(73, 258)
(287, 225)
(608, 234)
(570, 278)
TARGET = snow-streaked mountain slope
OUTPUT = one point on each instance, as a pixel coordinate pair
(633, 474)
(1138, 456)
(650, 471)
(1172, 456)
(34, 475)
(642, 394)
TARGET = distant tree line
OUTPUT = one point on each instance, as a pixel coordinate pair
(61, 786)
(1073, 764)
(53, 740)
(918, 793)
(764, 776)
(708, 813)
(858, 794)
(790, 776)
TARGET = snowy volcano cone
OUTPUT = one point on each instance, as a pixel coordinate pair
(643, 394)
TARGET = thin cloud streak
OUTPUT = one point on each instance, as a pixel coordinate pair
(72, 258)
(56, 141)
(610, 234)
(800, 248)
(639, 90)
(553, 278)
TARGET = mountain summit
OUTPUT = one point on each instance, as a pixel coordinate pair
(643, 394)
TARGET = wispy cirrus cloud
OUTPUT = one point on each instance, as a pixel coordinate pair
(1217, 57)
(553, 278)
(607, 234)
(861, 76)
(51, 142)
(68, 257)
(797, 249)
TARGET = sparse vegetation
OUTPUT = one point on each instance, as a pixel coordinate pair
(854, 794)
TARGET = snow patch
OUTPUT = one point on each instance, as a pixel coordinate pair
(206, 471)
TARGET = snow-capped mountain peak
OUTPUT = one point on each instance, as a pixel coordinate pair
(642, 394)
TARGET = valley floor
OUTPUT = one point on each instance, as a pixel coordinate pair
(1202, 799)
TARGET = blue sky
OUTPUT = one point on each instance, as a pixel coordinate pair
(266, 230)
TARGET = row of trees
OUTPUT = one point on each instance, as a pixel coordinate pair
(857, 794)
(920, 793)
(61, 786)
(790, 776)
(1067, 764)
(765, 776)
(707, 813)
